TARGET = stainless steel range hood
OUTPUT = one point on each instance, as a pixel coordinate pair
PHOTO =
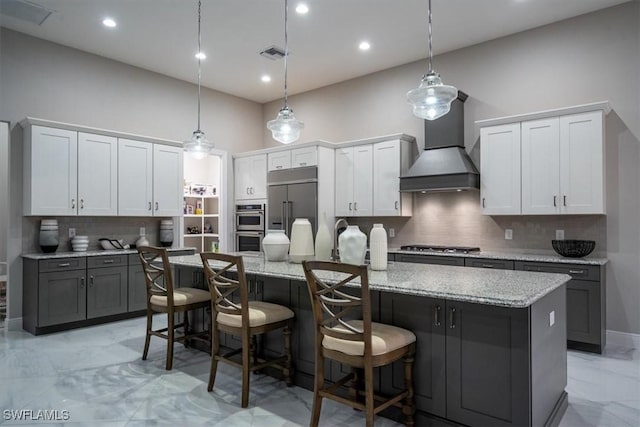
(444, 165)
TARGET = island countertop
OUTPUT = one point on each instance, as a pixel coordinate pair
(504, 288)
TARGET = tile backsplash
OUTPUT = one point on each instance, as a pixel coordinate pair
(125, 228)
(455, 219)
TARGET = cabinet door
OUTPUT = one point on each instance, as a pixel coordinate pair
(167, 180)
(541, 167)
(363, 180)
(500, 169)
(582, 163)
(583, 311)
(97, 175)
(242, 177)
(137, 288)
(62, 297)
(279, 160)
(51, 171)
(487, 365)
(429, 366)
(304, 339)
(386, 178)
(276, 291)
(135, 178)
(107, 291)
(344, 182)
(258, 187)
(301, 157)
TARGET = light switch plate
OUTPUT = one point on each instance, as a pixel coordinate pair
(559, 234)
(508, 234)
(72, 233)
(392, 232)
(552, 318)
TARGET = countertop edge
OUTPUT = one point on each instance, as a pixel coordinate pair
(100, 252)
(557, 259)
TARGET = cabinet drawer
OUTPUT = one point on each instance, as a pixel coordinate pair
(576, 271)
(107, 261)
(499, 264)
(62, 264)
(431, 259)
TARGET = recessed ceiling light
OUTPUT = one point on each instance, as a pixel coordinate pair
(265, 78)
(302, 8)
(108, 22)
(201, 55)
(364, 46)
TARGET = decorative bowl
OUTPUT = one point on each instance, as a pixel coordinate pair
(573, 248)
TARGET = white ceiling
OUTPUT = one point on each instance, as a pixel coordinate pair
(161, 35)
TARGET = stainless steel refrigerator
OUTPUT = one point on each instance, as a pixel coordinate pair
(292, 193)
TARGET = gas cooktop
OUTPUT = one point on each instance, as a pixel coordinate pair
(436, 248)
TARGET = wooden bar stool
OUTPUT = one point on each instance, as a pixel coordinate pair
(163, 298)
(344, 333)
(233, 313)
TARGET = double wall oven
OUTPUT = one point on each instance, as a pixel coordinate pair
(250, 226)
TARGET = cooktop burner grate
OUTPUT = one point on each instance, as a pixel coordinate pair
(437, 248)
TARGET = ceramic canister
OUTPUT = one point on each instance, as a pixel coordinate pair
(378, 247)
(324, 241)
(275, 245)
(301, 248)
(352, 245)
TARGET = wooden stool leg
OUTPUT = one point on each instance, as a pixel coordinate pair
(355, 386)
(147, 338)
(287, 372)
(408, 409)
(368, 396)
(318, 385)
(186, 328)
(170, 335)
(245, 369)
(254, 351)
(215, 350)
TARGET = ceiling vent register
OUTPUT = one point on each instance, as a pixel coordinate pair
(25, 11)
(273, 53)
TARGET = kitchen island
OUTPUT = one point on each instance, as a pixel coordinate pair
(490, 343)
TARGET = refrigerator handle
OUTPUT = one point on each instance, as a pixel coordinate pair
(289, 211)
(284, 217)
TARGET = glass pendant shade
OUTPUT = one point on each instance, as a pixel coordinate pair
(432, 99)
(199, 146)
(285, 128)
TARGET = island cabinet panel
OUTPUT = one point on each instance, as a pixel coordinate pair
(61, 297)
(303, 339)
(275, 291)
(106, 291)
(430, 259)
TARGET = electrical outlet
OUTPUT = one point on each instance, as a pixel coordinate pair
(552, 318)
(72, 233)
(508, 234)
(392, 232)
(142, 231)
(559, 234)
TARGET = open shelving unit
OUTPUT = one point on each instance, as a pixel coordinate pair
(201, 230)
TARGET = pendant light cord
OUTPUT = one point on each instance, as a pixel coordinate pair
(199, 56)
(286, 50)
(430, 53)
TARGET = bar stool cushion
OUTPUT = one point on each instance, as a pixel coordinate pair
(260, 313)
(182, 296)
(384, 339)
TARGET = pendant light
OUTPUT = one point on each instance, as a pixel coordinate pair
(432, 99)
(199, 147)
(285, 128)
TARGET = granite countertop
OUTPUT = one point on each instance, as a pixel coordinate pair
(534, 257)
(97, 252)
(505, 288)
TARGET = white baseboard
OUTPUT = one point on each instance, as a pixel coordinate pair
(623, 339)
(14, 324)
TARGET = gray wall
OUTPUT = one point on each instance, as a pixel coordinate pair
(590, 58)
(49, 81)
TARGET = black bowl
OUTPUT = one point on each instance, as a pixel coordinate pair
(573, 248)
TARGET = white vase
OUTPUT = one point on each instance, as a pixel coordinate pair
(324, 241)
(301, 248)
(378, 247)
(142, 241)
(352, 245)
(275, 245)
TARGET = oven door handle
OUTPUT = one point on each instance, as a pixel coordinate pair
(250, 233)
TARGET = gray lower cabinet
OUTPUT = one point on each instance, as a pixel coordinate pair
(497, 264)
(430, 259)
(275, 291)
(586, 302)
(61, 297)
(137, 285)
(106, 291)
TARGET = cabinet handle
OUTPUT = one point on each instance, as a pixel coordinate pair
(108, 261)
(576, 271)
(247, 190)
(81, 282)
(452, 320)
(436, 316)
(483, 204)
(350, 205)
(554, 200)
(279, 167)
(149, 205)
(64, 264)
(564, 200)
(81, 203)
(73, 203)
(396, 205)
(252, 192)
(487, 265)
(91, 281)
(157, 206)
(355, 206)
(303, 164)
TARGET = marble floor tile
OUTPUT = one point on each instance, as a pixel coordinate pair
(97, 374)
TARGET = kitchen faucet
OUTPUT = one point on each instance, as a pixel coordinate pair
(334, 254)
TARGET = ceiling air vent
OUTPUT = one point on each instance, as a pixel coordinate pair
(273, 53)
(24, 11)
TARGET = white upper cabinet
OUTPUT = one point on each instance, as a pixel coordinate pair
(344, 182)
(97, 175)
(251, 177)
(168, 180)
(500, 169)
(363, 180)
(50, 171)
(306, 156)
(391, 159)
(279, 160)
(562, 160)
(135, 178)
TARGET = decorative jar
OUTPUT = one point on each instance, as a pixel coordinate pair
(48, 238)
(275, 245)
(378, 247)
(301, 248)
(324, 241)
(352, 245)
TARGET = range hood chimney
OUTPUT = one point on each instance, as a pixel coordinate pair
(444, 165)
